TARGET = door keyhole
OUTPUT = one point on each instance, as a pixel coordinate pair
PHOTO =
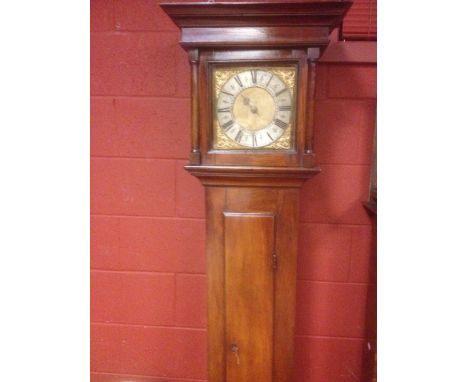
(235, 350)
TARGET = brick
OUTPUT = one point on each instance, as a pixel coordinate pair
(190, 194)
(133, 298)
(344, 131)
(352, 81)
(154, 127)
(148, 244)
(106, 377)
(132, 187)
(133, 64)
(141, 15)
(328, 360)
(105, 233)
(363, 255)
(176, 245)
(331, 309)
(191, 301)
(102, 15)
(104, 132)
(140, 127)
(140, 350)
(324, 252)
(336, 195)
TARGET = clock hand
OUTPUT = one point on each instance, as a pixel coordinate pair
(250, 104)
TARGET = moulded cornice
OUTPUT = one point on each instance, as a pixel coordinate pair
(256, 24)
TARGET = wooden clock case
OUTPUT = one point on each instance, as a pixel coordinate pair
(252, 195)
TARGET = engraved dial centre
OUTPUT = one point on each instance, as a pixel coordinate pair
(254, 108)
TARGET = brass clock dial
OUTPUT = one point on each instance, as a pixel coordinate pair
(254, 108)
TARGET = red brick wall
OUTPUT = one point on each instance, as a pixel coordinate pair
(147, 214)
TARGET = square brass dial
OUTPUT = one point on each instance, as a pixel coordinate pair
(254, 107)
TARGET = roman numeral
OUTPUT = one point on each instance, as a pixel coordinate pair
(225, 110)
(269, 81)
(281, 91)
(280, 123)
(284, 108)
(238, 137)
(270, 136)
(227, 126)
(254, 76)
(229, 94)
(254, 140)
(238, 80)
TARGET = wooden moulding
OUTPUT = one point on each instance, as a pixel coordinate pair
(257, 14)
(239, 176)
(260, 37)
(256, 24)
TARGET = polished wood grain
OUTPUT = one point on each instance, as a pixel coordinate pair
(251, 252)
(249, 289)
(260, 37)
(313, 55)
(252, 176)
(195, 156)
(252, 195)
(256, 24)
(258, 14)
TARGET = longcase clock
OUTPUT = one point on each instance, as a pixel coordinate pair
(253, 76)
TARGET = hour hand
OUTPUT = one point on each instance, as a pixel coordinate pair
(251, 106)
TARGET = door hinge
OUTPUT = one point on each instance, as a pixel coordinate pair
(275, 261)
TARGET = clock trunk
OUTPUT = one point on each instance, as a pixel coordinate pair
(251, 252)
